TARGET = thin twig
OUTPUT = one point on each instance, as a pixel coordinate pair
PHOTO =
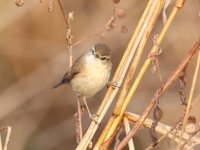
(8, 129)
(62, 10)
(78, 118)
(127, 129)
(158, 94)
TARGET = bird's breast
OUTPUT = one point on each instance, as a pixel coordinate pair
(92, 78)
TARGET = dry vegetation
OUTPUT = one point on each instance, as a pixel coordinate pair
(156, 58)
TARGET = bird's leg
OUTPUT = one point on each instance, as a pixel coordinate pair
(92, 116)
(113, 84)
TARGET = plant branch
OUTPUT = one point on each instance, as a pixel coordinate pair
(159, 94)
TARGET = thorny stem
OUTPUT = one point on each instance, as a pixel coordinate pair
(190, 99)
(159, 93)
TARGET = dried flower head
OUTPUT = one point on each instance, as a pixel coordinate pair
(19, 3)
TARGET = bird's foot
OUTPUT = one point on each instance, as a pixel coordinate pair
(94, 117)
(113, 84)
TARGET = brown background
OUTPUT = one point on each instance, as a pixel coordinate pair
(33, 57)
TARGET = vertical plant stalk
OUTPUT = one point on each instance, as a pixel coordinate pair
(159, 93)
(114, 121)
(190, 99)
(127, 129)
(118, 77)
(79, 122)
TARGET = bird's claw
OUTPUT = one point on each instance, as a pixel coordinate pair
(94, 117)
(113, 84)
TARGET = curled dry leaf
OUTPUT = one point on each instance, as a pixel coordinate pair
(157, 115)
(183, 81)
(19, 3)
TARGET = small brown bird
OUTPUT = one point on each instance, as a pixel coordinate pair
(89, 73)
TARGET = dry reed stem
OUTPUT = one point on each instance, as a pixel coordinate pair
(160, 128)
(116, 119)
(190, 99)
(158, 94)
(8, 129)
(127, 129)
(149, 18)
(119, 76)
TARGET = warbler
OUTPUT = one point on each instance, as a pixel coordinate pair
(89, 73)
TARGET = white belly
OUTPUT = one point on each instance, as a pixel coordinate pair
(92, 80)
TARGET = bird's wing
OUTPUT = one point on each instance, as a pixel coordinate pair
(75, 70)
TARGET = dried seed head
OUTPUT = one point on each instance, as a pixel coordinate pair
(19, 3)
(121, 13)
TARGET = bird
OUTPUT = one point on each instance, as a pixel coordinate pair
(89, 73)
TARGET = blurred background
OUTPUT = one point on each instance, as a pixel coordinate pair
(33, 58)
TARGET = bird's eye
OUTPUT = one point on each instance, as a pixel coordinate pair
(93, 51)
(103, 58)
